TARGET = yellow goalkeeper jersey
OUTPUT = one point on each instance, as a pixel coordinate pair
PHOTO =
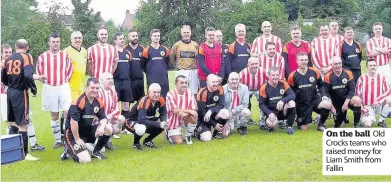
(79, 62)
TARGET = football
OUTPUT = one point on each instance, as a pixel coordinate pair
(190, 119)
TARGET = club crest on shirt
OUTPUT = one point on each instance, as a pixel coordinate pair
(248, 50)
(127, 56)
(96, 109)
(215, 98)
(225, 50)
(162, 53)
(312, 79)
(282, 91)
(76, 147)
(140, 54)
(357, 50)
(344, 81)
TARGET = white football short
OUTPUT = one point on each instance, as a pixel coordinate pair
(56, 98)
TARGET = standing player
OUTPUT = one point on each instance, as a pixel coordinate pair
(259, 43)
(334, 31)
(224, 48)
(137, 76)
(374, 91)
(155, 62)
(307, 84)
(102, 57)
(293, 47)
(181, 111)
(11, 128)
(340, 88)
(211, 112)
(276, 100)
(86, 122)
(351, 53)
(56, 66)
(323, 49)
(379, 47)
(17, 74)
(183, 58)
(123, 74)
(272, 58)
(110, 100)
(253, 77)
(236, 98)
(239, 51)
(209, 58)
(143, 113)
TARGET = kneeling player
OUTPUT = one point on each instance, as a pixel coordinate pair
(109, 96)
(236, 100)
(86, 121)
(277, 101)
(306, 82)
(374, 91)
(211, 112)
(182, 112)
(144, 113)
(340, 88)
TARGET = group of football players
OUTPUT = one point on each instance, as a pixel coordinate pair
(214, 84)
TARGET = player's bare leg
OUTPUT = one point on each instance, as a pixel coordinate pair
(222, 115)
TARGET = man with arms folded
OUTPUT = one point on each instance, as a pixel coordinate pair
(374, 91)
(211, 112)
(236, 101)
(181, 112)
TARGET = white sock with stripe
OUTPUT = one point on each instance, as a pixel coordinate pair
(56, 130)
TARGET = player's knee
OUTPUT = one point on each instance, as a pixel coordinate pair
(325, 105)
(246, 113)
(223, 114)
(108, 130)
(84, 157)
(291, 104)
(177, 140)
(270, 123)
(206, 136)
(54, 116)
(304, 127)
(139, 129)
(23, 127)
(121, 120)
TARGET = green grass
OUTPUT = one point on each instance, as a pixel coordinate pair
(258, 156)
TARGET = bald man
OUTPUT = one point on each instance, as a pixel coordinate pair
(236, 101)
(260, 42)
(17, 74)
(211, 111)
(144, 113)
(340, 88)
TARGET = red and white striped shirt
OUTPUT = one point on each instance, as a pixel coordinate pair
(57, 68)
(338, 37)
(178, 101)
(110, 100)
(102, 59)
(253, 82)
(370, 89)
(323, 50)
(235, 99)
(267, 62)
(260, 42)
(382, 42)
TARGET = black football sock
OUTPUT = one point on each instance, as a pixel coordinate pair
(291, 113)
(324, 113)
(102, 140)
(153, 134)
(13, 130)
(356, 114)
(25, 141)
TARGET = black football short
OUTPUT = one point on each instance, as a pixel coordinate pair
(279, 114)
(206, 126)
(137, 89)
(18, 106)
(124, 90)
(304, 111)
(72, 148)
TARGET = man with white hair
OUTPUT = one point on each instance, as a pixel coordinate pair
(340, 88)
(181, 112)
(142, 118)
(276, 100)
(374, 91)
(379, 48)
(211, 111)
(183, 57)
(85, 123)
(253, 77)
(260, 42)
(110, 99)
(236, 101)
(239, 51)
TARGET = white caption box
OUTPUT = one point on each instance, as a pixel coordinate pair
(357, 151)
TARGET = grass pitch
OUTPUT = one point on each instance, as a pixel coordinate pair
(258, 156)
